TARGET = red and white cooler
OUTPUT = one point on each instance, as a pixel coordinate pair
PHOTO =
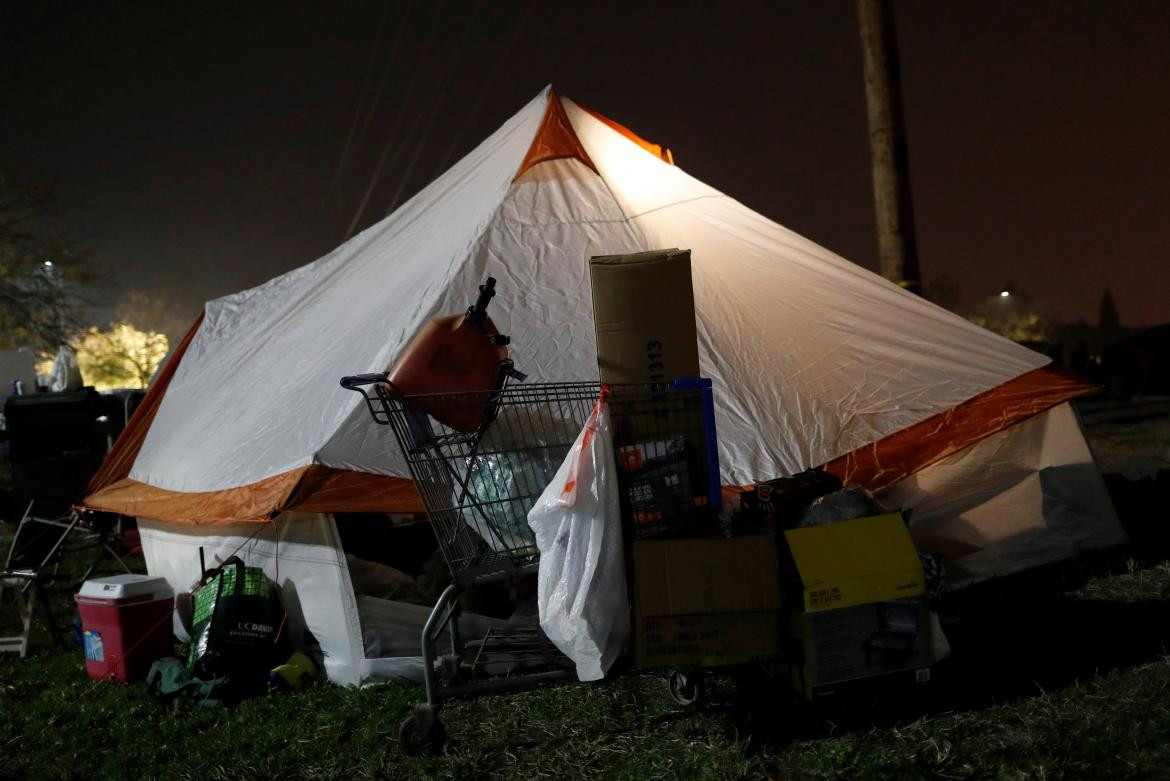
(126, 625)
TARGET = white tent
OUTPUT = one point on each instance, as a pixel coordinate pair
(814, 361)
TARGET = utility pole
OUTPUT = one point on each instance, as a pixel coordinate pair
(897, 247)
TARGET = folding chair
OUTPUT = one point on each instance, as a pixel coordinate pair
(39, 548)
(33, 561)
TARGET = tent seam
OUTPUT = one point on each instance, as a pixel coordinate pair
(675, 203)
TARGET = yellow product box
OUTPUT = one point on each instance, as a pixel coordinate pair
(856, 562)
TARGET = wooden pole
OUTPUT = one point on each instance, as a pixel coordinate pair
(897, 248)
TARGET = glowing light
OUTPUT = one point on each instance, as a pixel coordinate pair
(48, 264)
(1004, 293)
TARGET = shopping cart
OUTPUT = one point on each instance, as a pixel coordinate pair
(478, 487)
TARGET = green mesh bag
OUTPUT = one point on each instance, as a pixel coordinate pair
(235, 622)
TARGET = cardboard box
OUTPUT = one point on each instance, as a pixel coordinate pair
(644, 314)
(705, 602)
(863, 610)
(856, 562)
(859, 642)
(707, 639)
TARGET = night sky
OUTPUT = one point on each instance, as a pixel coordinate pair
(204, 149)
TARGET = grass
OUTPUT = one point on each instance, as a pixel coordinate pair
(1061, 673)
(57, 723)
(1133, 448)
(1045, 683)
(1113, 724)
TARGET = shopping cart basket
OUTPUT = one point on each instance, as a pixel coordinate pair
(478, 487)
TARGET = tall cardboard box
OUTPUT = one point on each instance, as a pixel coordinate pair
(644, 313)
(706, 602)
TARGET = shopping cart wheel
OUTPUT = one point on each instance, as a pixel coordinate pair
(687, 687)
(415, 741)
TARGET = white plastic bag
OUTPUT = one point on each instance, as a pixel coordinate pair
(581, 590)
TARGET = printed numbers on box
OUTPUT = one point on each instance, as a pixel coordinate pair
(824, 596)
(654, 358)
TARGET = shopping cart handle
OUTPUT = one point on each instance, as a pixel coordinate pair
(357, 380)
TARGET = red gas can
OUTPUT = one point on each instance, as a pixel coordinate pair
(459, 355)
(126, 625)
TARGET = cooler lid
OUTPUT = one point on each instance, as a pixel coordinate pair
(126, 586)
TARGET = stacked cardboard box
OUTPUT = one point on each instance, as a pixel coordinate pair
(701, 602)
(858, 608)
(644, 313)
(863, 610)
(705, 602)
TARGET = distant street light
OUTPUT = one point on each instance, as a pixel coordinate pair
(1004, 293)
(55, 282)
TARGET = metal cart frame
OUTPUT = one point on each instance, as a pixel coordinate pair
(477, 487)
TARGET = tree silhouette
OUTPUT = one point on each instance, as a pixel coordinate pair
(42, 273)
(1108, 319)
(154, 310)
(122, 357)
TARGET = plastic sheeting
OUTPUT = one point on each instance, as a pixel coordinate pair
(66, 371)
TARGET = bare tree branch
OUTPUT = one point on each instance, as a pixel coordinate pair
(43, 274)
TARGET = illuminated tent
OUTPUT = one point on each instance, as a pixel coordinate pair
(814, 361)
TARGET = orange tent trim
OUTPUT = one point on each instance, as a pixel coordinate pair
(555, 139)
(311, 488)
(661, 152)
(878, 466)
